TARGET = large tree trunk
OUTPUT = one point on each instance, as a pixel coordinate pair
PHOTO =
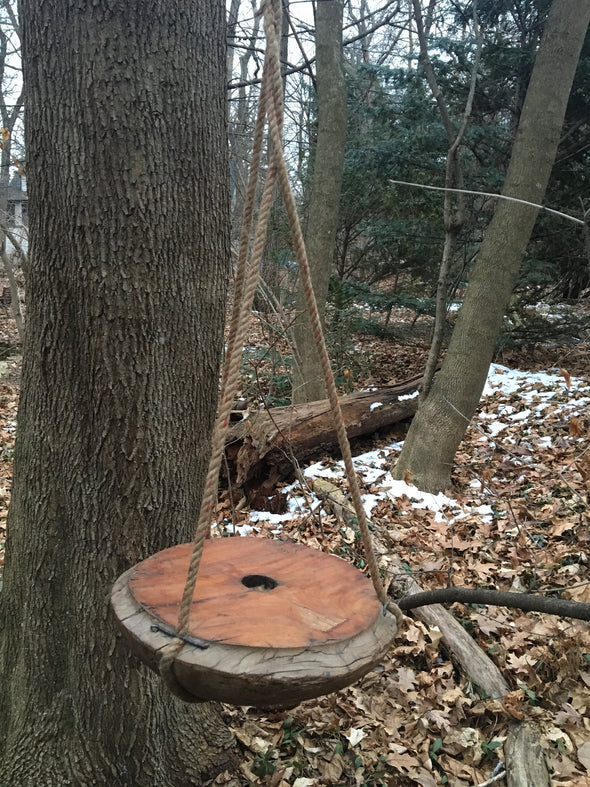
(324, 204)
(127, 174)
(443, 415)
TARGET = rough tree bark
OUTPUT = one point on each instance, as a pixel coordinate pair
(324, 203)
(443, 416)
(129, 210)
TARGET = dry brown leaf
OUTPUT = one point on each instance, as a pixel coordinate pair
(576, 428)
(513, 704)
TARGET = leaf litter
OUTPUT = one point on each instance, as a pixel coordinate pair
(517, 518)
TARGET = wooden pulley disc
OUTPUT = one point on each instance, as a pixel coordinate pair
(272, 623)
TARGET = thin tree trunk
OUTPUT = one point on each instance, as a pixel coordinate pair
(454, 202)
(441, 421)
(271, 263)
(129, 214)
(241, 126)
(324, 204)
(14, 296)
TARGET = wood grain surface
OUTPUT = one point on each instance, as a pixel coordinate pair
(317, 598)
(320, 629)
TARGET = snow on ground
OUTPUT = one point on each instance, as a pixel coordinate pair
(510, 398)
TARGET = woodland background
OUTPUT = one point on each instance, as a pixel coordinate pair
(417, 719)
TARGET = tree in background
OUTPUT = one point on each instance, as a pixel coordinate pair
(445, 413)
(454, 199)
(11, 95)
(11, 106)
(324, 201)
(129, 213)
(389, 236)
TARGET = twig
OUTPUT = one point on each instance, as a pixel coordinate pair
(493, 780)
(490, 194)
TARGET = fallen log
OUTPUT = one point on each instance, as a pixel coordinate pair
(266, 447)
(525, 762)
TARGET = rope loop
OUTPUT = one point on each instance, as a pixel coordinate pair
(166, 666)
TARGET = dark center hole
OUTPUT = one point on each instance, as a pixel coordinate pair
(259, 582)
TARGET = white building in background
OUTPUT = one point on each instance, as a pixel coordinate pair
(17, 211)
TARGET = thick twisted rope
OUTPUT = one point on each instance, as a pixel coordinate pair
(249, 272)
(247, 275)
(273, 112)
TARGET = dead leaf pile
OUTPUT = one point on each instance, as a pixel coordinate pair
(415, 720)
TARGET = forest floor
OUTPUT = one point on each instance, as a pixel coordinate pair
(516, 518)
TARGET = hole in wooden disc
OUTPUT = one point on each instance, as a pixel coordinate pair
(259, 582)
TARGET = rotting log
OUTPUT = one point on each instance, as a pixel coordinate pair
(525, 763)
(265, 448)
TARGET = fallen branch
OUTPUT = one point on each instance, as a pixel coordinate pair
(525, 762)
(525, 601)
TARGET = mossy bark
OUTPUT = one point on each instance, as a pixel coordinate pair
(128, 190)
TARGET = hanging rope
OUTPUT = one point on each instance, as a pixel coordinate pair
(247, 274)
(270, 106)
(302, 261)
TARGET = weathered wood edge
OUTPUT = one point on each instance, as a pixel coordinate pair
(254, 676)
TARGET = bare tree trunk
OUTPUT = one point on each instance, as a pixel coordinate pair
(232, 26)
(275, 244)
(324, 204)
(241, 125)
(454, 202)
(10, 108)
(129, 211)
(441, 421)
(14, 296)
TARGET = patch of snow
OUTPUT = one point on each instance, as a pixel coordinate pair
(408, 396)
(544, 442)
(522, 416)
(318, 469)
(514, 397)
(419, 499)
(369, 503)
(496, 427)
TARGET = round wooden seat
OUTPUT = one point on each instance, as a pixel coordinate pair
(272, 622)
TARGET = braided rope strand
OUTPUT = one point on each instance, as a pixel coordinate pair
(301, 255)
(247, 276)
(240, 325)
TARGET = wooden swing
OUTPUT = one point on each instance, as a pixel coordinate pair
(244, 620)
